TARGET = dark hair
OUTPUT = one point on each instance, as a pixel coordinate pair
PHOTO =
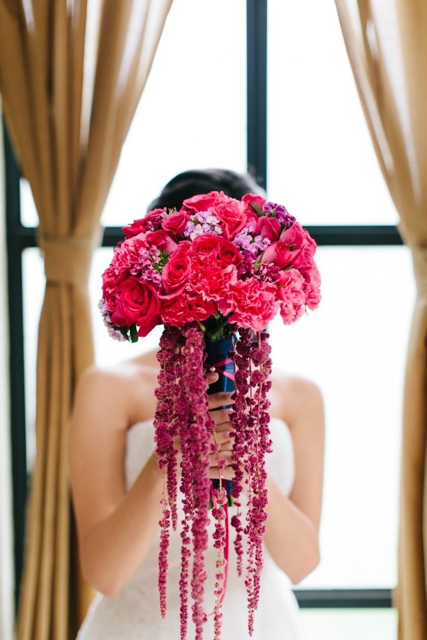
(189, 183)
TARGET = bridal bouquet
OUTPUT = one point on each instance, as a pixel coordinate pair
(214, 269)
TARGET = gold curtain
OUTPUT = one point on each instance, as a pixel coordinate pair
(71, 75)
(387, 47)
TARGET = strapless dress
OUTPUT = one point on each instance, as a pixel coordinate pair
(134, 613)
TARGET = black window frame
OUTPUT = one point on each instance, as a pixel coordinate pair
(20, 237)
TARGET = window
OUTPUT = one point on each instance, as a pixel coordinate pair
(315, 155)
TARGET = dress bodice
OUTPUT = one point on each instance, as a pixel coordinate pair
(280, 464)
(134, 613)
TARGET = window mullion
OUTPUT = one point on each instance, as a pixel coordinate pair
(256, 14)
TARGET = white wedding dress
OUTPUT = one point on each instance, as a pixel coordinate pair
(134, 614)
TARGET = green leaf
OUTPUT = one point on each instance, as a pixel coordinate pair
(259, 211)
(133, 333)
(123, 330)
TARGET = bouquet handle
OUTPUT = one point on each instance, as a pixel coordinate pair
(218, 357)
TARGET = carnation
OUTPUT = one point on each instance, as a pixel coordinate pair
(211, 279)
(252, 303)
(312, 288)
(291, 294)
(126, 255)
(190, 305)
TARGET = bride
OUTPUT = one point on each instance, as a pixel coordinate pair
(116, 488)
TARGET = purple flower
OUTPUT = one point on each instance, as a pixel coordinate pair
(202, 222)
(249, 244)
(106, 317)
(280, 212)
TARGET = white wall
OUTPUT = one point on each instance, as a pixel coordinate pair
(6, 544)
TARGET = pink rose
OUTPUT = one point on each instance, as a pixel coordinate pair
(175, 222)
(252, 303)
(152, 218)
(187, 307)
(304, 260)
(232, 214)
(310, 242)
(279, 254)
(175, 275)
(300, 237)
(230, 211)
(162, 240)
(268, 228)
(201, 202)
(137, 303)
(294, 235)
(291, 293)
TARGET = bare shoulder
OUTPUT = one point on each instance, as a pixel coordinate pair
(104, 406)
(102, 386)
(296, 395)
(112, 390)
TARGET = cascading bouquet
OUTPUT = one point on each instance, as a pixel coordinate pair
(214, 269)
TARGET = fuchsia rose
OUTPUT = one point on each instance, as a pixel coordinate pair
(268, 227)
(301, 255)
(175, 274)
(206, 244)
(228, 253)
(279, 254)
(291, 293)
(252, 303)
(183, 248)
(162, 240)
(137, 303)
(186, 307)
(175, 222)
(141, 225)
(248, 208)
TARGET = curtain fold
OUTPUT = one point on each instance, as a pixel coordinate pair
(71, 75)
(387, 48)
